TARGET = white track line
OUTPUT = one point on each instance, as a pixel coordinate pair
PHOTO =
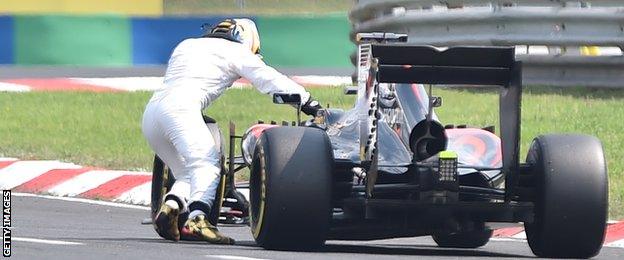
(81, 200)
(45, 241)
(234, 257)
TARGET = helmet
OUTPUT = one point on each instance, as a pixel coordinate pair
(238, 30)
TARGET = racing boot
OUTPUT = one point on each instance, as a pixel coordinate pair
(199, 229)
(166, 222)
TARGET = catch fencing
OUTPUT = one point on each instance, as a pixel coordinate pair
(561, 43)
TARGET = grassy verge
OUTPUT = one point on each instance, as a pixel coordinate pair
(93, 129)
(103, 129)
(255, 7)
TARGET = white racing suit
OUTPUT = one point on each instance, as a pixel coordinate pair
(198, 72)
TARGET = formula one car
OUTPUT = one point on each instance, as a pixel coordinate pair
(388, 168)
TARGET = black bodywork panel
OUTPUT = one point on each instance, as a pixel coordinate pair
(463, 66)
(379, 181)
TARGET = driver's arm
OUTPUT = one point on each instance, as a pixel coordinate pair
(265, 78)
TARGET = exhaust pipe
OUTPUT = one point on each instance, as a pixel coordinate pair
(427, 139)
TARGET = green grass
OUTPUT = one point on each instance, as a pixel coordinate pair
(103, 129)
(87, 128)
(255, 7)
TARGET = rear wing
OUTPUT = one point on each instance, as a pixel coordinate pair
(381, 62)
(455, 65)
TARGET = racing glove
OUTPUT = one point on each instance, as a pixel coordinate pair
(311, 107)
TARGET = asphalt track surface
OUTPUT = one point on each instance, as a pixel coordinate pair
(45, 228)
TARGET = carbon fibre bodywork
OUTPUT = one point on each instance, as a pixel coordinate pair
(405, 106)
(387, 149)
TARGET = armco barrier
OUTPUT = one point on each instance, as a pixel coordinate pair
(561, 28)
(107, 40)
(369, 9)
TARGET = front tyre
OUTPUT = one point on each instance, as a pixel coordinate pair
(163, 178)
(290, 188)
(570, 181)
(162, 181)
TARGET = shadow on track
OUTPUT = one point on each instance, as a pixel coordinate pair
(250, 245)
(416, 250)
(390, 249)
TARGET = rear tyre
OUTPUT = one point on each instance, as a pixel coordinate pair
(470, 239)
(571, 201)
(290, 188)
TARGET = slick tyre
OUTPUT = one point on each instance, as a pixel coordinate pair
(290, 188)
(570, 181)
(470, 239)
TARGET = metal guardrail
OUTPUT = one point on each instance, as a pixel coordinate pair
(572, 33)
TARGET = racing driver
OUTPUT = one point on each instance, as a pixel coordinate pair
(199, 70)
